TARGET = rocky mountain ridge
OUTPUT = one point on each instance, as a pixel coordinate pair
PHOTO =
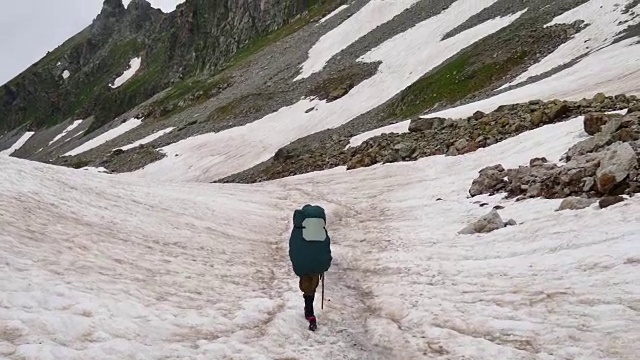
(198, 38)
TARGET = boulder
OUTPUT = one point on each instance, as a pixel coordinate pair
(405, 149)
(461, 144)
(539, 118)
(618, 161)
(599, 98)
(607, 201)
(487, 223)
(633, 109)
(593, 122)
(575, 203)
(490, 180)
(420, 124)
(589, 145)
(478, 115)
(558, 111)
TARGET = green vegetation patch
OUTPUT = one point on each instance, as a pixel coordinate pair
(452, 82)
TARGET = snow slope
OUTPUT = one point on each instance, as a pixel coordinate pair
(333, 13)
(372, 15)
(74, 125)
(103, 267)
(148, 139)
(405, 58)
(612, 70)
(103, 138)
(18, 144)
(605, 19)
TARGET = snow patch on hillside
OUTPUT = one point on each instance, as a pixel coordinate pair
(333, 13)
(66, 131)
(605, 20)
(134, 65)
(372, 15)
(18, 144)
(148, 139)
(397, 128)
(405, 58)
(109, 135)
(612, 70)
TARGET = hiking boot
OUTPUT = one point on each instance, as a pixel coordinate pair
(308, 307)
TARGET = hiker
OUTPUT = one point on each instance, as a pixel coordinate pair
(310, 253)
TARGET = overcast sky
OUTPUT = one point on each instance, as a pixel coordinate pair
(30, 28)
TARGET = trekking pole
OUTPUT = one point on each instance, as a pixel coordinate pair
(322, 304)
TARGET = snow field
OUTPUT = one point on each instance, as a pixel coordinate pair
(103, 138)
(106, 267)
(405, 58)
(559, 285)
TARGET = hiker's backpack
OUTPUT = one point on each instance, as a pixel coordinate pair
(309, 244)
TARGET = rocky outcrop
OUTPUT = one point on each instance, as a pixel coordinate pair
(607, 201)
(603, 165)
(486, 224)
(426, 137)
(575, 203)
(437, 136)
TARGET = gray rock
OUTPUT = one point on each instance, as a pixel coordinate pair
(558, 111)
(607, 201)
(575, 203)
(599, 98)
(489, 180)
(487, 223)
(461, 144)
(595, 143)
(405, 149)
(420, 124)
(612, 125)
(588, 182)
(593, 122)
(618, 161)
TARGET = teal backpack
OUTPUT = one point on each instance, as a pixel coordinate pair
(310, 244)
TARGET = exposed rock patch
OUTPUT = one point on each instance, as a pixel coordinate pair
(432, 136)
(487, 223)
(575, 203)
(605, 165)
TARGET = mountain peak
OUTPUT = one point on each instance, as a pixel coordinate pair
(137, 5)
(107, 20)
(112, 7)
